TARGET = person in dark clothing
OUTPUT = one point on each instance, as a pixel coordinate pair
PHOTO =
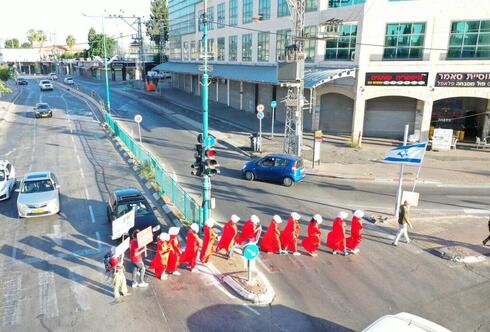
(488, 237)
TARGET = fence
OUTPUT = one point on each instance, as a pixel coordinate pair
(190, 209)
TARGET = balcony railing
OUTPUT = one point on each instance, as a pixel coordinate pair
(379, 57)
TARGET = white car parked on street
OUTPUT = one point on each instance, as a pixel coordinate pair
(45, 85)
(404, 322)
(38, 195)
(7, 179)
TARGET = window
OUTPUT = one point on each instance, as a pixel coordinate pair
(268, 162)
(311, 5)
(211, 22)
(232, 48)
(280, 162)
(265, 9)
(310, 43)
(175, 46)
(247, 47)
(342, 47)
(344, 3)
(186, 50)
(233, 12)
(404, 41)
(221, 16)
(211, 49)
(469, 39)
(283, 39)
(282, 8)
(263, 42)
(247, 11)
(221, 49)
(200, 26)
(194, 53)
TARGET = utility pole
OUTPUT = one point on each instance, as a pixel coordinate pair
(295, 102)
(206, 182)
(161, 40)
(141, 50)
(107, 92)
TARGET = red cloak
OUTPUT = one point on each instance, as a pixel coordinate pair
(355, 234)
(189, 255)
(174, 257)
(336, 237)
(160, 261)
(289, 235)
(249, 232)
(207, 247)
(228, 238)
(313, 241)
(271, 241)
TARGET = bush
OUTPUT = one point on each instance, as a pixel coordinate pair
(148, 171)
(4, 89)
(6, 73)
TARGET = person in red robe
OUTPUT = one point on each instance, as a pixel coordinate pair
(193, 242)
(160, 261)
(210, 238)
(175, 253)
(336, 237)
(230, 231)
(312, 242)
(353, 241)
(250, 231)
(271, 242)
(290, 234)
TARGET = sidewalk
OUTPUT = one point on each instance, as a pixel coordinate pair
(339, 160)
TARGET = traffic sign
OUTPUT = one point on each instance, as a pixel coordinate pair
(138, 118)
(260, 108)
(210, 141)
(273, 104)
(251, 251)
(203, 68)
(260, 115)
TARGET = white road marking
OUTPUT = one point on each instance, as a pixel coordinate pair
(48, 302)
(10, 298)
(79, 290)
(86, 193)
(79, 160)
(81, 173)
(8, 153)
(75, 149)
(57, 235)
(99, 244)
(14, 245)
(50, 259)
(92, 217)
(73, 139)
(476, 211)
(251, 309)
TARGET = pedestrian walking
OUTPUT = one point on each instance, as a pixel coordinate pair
(271, 242)
(230, 231)
(312, 242)
(160, 261)
(290, 234)
(175, 252)
(250, 231)
(403, 221)
(119, 279)
(488, 237)
(136, 255)
(353, 241)
(193, 242)
(336, 237)
(210, 238)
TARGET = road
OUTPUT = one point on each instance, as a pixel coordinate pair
(51, 271)
(327, 292)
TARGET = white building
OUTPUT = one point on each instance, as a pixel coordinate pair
(422, 62)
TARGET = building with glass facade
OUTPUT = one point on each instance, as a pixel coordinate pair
(421, 62)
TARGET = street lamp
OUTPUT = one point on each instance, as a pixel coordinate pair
(107, 90)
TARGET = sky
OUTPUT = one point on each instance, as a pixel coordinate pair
(60, 18)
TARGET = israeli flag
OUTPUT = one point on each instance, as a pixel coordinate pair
(406, 154)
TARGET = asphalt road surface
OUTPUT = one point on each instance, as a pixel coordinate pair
(51, 268)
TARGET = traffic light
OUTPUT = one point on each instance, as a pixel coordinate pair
(211, 166)
(198, 166)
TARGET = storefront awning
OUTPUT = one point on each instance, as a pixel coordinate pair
(255, 73)
(314, 79)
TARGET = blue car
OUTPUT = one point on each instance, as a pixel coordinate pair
(282, 168)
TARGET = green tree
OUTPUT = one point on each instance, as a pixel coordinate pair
(12, 43)
(6, 73)
(70, 41)
(36, 37)
(96, 45)
(26, 45)
(91, 35)
(157, 25)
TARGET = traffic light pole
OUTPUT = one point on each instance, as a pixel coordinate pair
(206, 182)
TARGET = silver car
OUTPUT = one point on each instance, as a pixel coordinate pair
(7, 179)
(38, 195)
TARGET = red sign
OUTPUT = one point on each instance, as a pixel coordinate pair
(396, 79)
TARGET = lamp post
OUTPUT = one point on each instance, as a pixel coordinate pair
(107, 90)
(206, 183)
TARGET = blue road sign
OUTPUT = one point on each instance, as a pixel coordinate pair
(260, 115)
(210, 141)
(251, 251)
(273, 104)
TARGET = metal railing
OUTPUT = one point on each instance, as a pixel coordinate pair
(190, 209)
